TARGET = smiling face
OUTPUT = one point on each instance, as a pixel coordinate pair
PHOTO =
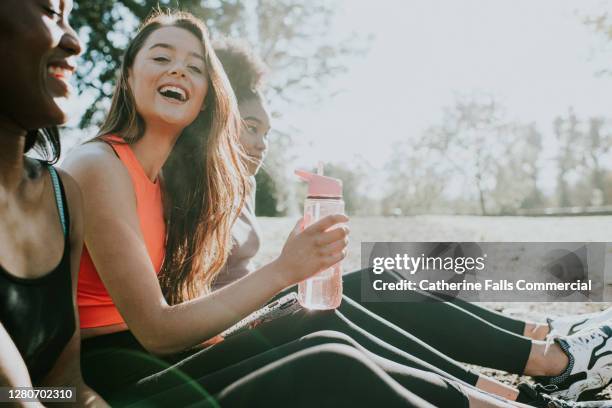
(41, 46)
(168, 78)
(255, 129)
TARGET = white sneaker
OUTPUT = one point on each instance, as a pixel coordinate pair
(569, 325)
(590, 363)
(584, 404)
(537, 395)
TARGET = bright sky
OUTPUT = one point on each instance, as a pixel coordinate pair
(536, 57)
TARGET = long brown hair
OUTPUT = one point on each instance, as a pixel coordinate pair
(204, 178)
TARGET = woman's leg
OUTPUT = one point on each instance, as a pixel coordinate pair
(288, 383)
(114, 361)
(456, 333)
(350, 380)
(403, 340)
(449, 328)
(533, 330)
(352, 288)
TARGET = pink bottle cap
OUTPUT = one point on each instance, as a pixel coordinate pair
(321, 186)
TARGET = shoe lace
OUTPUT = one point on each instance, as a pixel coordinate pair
(585, 338)
(545, 389)
(589, 319)
(581, 340)
(538, 393)
(550, 339)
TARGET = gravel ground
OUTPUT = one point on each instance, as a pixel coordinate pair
(464, 228)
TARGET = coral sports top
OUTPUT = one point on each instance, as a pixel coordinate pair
(96, 308)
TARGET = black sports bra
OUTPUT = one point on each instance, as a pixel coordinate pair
(38, 313)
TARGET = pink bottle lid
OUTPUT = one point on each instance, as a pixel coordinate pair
(321, 186)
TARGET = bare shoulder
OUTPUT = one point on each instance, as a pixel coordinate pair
(96, 158)
(97, 170)
(109, 197)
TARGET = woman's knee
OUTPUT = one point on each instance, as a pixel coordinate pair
(356, 377)
(337, 357)
(329, 337)
(349, 377)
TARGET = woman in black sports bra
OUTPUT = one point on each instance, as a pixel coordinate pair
(40, 210)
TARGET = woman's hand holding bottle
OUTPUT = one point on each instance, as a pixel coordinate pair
(313, 249)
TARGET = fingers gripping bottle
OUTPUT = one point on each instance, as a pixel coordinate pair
(323, 290)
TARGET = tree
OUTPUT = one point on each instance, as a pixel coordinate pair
(265, 197)
(569, 140)
(533, 139)
(517, 171)
(467, 140)
(351, 183)
(599, 144)
(480, 153)
(584, 145)
(275, 195)
(415, 179)
(601, 24)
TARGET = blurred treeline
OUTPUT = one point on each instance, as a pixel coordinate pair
(478, 162)
(475, 160)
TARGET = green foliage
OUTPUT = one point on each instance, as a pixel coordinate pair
(350, 186)
(265, 197)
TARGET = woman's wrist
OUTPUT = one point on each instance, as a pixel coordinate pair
(277, 275)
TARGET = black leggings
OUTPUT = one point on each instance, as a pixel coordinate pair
(112, 362)
(461, 330)
(294, 380)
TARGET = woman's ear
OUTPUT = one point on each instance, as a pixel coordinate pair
(203, 108)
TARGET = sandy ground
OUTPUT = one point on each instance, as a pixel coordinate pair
(464, 228)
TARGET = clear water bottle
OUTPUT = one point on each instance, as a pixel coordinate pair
(323, 290)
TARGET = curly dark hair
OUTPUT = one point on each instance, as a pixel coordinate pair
(244, 69)
(46, 142)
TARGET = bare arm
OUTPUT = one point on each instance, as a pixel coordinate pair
(67, 369)
(116, 245)
(13, 370)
